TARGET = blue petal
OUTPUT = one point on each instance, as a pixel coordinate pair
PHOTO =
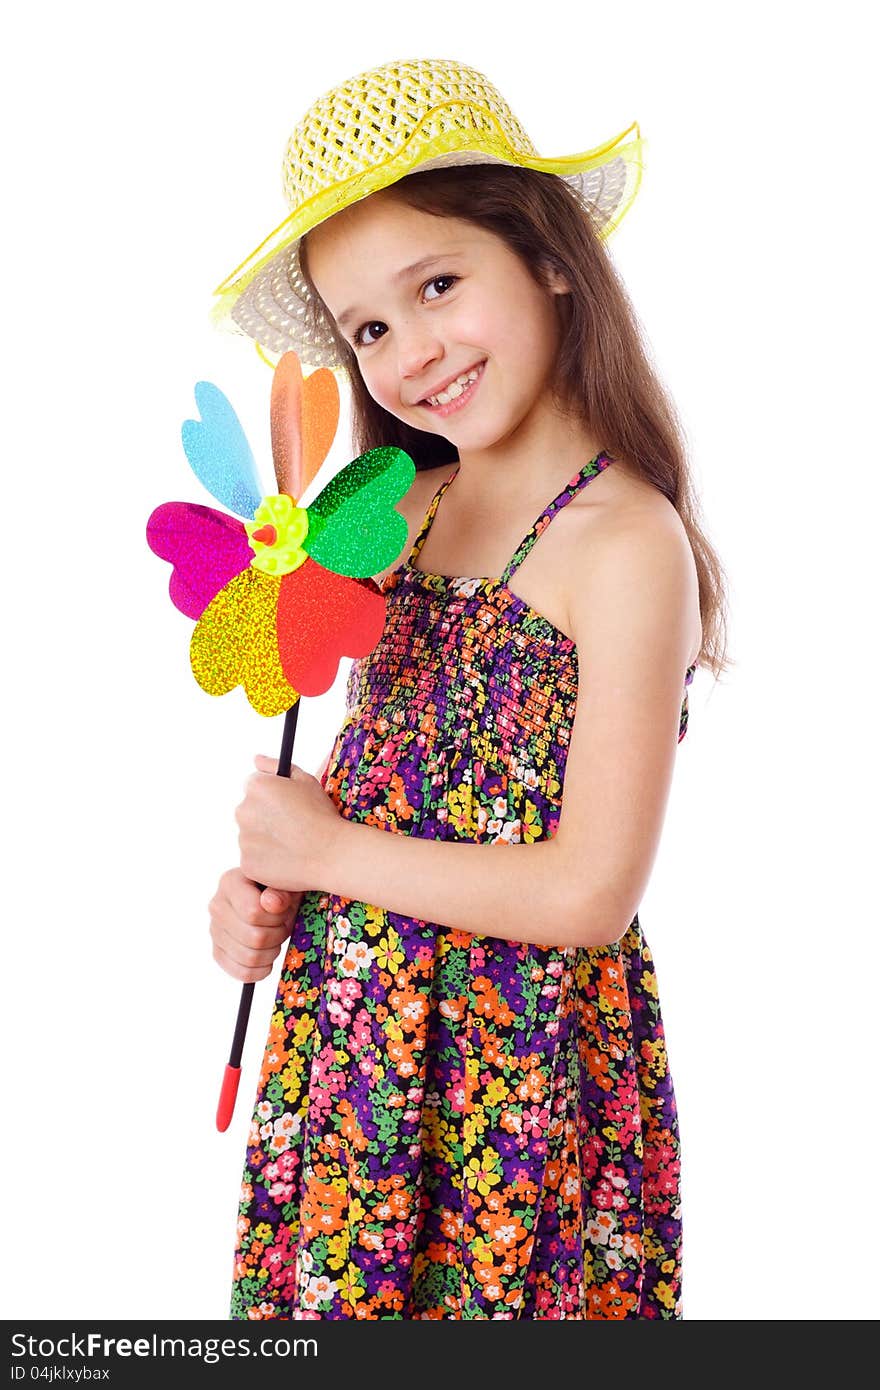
(219, 453)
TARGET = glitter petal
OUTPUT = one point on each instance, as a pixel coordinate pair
(207, 548)
(234, 643)
(320, 421)
(304, 416)
(219, 453)
(322, 617)
(354, 528)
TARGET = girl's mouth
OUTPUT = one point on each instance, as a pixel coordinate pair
(465, 392)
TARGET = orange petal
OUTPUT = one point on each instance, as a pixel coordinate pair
(320, 418)
(285, 422)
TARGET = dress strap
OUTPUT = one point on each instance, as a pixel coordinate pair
(586, 475)
(429, 517)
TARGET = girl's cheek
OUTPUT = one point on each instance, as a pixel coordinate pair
(386, 394)
(375, 380)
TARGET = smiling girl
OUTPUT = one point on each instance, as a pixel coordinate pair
(465, 1108)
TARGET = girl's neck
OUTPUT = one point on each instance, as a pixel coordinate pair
(531, 465)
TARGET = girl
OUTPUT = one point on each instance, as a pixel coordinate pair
(465, 1108)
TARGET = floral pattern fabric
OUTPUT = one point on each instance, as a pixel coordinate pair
(450, 1125)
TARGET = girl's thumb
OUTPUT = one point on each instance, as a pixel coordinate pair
(273, 900)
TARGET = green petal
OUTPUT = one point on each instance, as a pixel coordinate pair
(353, 526)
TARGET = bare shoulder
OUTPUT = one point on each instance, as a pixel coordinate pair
(413, 505)
(631, 576)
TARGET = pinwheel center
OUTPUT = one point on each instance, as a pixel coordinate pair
(276, 535)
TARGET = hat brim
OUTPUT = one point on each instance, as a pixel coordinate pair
(608, 177)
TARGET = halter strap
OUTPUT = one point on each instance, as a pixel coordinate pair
(586, 475)
(429, 517)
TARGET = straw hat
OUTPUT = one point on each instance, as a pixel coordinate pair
(366, 134)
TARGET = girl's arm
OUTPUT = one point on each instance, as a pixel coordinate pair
(631, 619)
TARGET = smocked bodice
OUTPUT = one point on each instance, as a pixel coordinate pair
(471, 664)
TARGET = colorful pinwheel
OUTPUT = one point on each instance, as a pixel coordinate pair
(281, 597)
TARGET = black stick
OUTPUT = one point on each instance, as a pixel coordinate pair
(232, 1075)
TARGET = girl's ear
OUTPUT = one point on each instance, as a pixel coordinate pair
(554, 280)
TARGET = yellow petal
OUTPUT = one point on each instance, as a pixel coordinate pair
(234, 643)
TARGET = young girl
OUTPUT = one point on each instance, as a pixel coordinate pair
(465, 1108)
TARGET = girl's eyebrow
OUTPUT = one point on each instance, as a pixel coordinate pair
(408, 270)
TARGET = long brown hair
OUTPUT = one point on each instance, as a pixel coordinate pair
(603, 371)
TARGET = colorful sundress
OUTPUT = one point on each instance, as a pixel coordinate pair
(450, 1125)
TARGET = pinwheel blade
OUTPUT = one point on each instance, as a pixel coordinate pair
(285, 424)
(304, 415)
(320, 421)
(219, 454)
(207, 548)
(321, 618)
(235, 643)
(354, 528)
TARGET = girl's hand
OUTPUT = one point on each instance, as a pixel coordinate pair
(287, 827)
(248, 927)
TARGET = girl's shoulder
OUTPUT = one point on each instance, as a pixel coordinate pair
(629, 520)
(625, 503)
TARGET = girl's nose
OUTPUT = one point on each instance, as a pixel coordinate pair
(416, 350)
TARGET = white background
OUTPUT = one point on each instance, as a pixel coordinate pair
(142, 163)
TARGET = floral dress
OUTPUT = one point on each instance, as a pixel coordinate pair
(450, 1125)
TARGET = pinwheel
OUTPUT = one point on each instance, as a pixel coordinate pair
(281, 597)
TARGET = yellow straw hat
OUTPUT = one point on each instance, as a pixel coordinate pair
(366, 134)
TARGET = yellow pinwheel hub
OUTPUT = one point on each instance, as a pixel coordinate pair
(276, 535)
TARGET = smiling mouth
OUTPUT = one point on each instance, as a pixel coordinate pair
(457, 393)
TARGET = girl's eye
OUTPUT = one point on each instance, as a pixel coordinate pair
(361, 340)
(442, 280)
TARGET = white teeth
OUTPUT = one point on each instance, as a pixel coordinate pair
(455, 388)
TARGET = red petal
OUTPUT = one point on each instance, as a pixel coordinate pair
(321, 618)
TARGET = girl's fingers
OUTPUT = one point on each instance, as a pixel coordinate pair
(255, 938)
(247, 975)
(253, 909)
(274, 900)
(265, 764)
(244, 955)
(249, 928)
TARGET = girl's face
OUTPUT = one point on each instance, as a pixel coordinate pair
(424, 300)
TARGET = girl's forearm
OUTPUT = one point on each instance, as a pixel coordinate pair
(518, 892)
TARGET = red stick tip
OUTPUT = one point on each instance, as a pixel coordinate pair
(228, 1092)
